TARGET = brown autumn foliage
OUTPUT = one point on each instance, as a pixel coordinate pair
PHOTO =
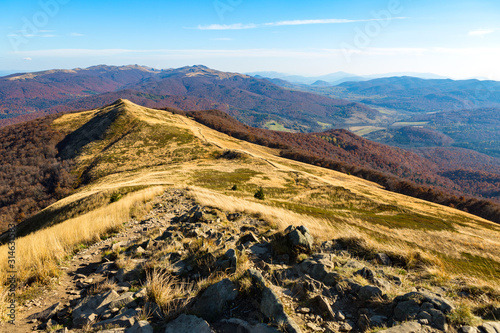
(31, 175)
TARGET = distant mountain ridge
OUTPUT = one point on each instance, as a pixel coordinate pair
(420, 95)
(256, 102)
(338, 77)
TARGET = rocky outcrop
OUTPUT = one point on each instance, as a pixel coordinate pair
(271, 305)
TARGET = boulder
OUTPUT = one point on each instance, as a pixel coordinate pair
(192, 216)
(353, 264)
(437, 301)
(324, 306)
(228, 261)
(490, 327)
(345, 327)
(383, 259)
(181, 267)
(406, 310)
(122, 301)
(366, 273)
(165, 235)
(213, 301)
(299, 239)
(270, 304)
(319, 270)
(439, 320)
(124, 320)
(378, 321)
(188, 324)
(46, 314)
(467, 329)
(261, 250)
(92, 306)
(248, 238)
(369, 293)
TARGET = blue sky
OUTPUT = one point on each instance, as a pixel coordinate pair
(457, 38)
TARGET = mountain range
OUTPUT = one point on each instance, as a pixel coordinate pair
(254, 101)
(336, 78)
(422, 112)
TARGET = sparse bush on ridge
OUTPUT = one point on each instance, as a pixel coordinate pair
(115, 197)
(260, 194)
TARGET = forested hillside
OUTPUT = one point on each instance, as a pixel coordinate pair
(31, 175)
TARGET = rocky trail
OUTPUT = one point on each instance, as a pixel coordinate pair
(185, 268)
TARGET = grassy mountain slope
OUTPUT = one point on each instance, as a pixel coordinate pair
(426, 176)
(125, 150)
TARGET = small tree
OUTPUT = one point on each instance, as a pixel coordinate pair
(115, 197)
(234, 188)
(259, 194)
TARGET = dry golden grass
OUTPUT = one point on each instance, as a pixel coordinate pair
(3, 303)
(279, 218)
(165, 290)
(102, 287)
(38, 254)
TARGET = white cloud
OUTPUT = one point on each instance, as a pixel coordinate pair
(76, 34)
(241, 26)
(27, 59)
(481, 32)
(237, 26)
(48, 36)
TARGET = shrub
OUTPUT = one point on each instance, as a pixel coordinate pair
(115, 197)
(259, 194)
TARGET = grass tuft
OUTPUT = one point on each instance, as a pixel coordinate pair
(462, 315)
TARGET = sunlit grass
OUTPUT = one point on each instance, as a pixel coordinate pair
(38, 254)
